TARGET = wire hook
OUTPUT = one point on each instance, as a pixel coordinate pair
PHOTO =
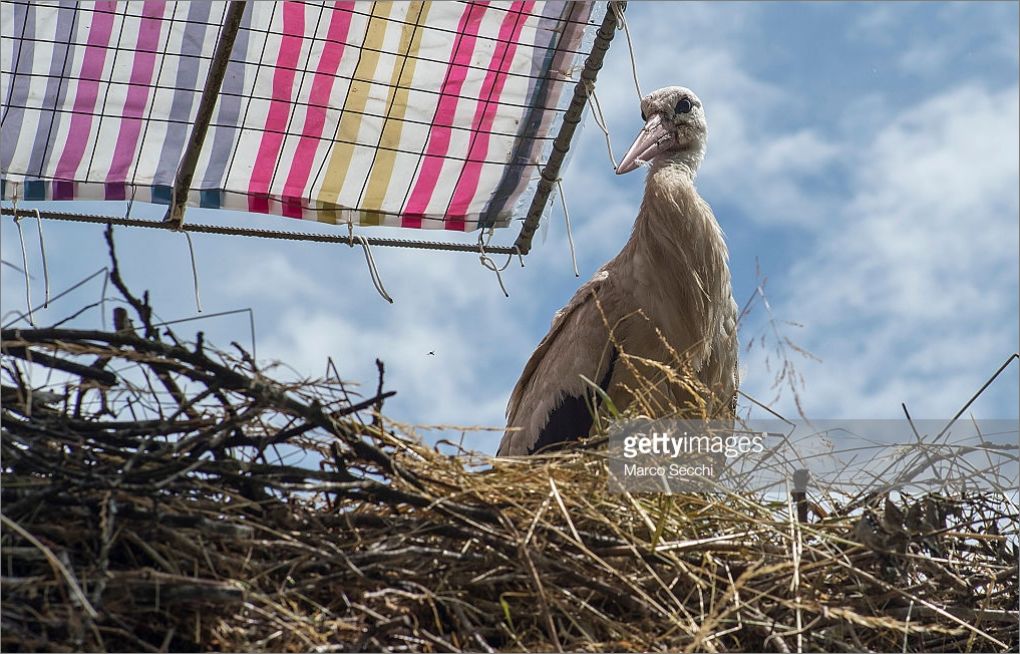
(194, 272)
(24, 259)
(45, 266)
(373, 272)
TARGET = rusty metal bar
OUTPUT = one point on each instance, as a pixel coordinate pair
(551, 171)
(259, 233)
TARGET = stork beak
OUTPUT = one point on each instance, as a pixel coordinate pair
(653, 140)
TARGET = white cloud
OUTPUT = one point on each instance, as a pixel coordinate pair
(911, 292)
(270, 277)
(933, 209)
(965, 34)
(441, 387)
(445, 341)
(924, 58)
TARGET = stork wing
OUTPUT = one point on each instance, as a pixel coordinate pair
(551, 402)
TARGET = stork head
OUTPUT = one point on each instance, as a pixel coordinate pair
(675, 129)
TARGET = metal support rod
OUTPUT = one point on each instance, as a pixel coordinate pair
(551, 171)
(210, 93)
(261, 233)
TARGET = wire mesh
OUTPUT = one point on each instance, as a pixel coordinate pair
(417, 115)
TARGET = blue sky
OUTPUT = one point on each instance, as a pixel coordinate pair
(864, 158)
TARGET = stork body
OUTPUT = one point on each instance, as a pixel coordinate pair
(664, 301)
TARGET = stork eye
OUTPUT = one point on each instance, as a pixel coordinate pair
(684, 106)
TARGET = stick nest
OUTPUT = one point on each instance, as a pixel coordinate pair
(161, 495)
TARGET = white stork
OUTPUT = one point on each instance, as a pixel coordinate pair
(664, 303)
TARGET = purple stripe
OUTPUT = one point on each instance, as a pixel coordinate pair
(185, 93)
(545, 30)
(149, 29)
(225, 125)
(541, 67)
(17, 97)
(53, 97)
(62, 190)
(87, 92)
(536, 120)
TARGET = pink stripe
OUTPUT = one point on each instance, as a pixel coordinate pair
(138, 92)
(279, 107)
(485, 113)
(88, 90)
(318, 100)
(439, 132)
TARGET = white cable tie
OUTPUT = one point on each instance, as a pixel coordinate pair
(566, 219)
(600, 120)
(621, 23)
(194, 272)
(617, 13)
(482, 244)
(45, 267)
(570, 234)
(487, 262)
(491, 265)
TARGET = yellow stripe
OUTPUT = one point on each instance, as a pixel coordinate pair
(354, 107)
(396, 107)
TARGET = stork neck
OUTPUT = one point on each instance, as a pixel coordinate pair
(688, 159)
(673, 216)
(668, 178)
(677, 248)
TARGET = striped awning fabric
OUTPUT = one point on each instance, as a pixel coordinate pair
(411, 114)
